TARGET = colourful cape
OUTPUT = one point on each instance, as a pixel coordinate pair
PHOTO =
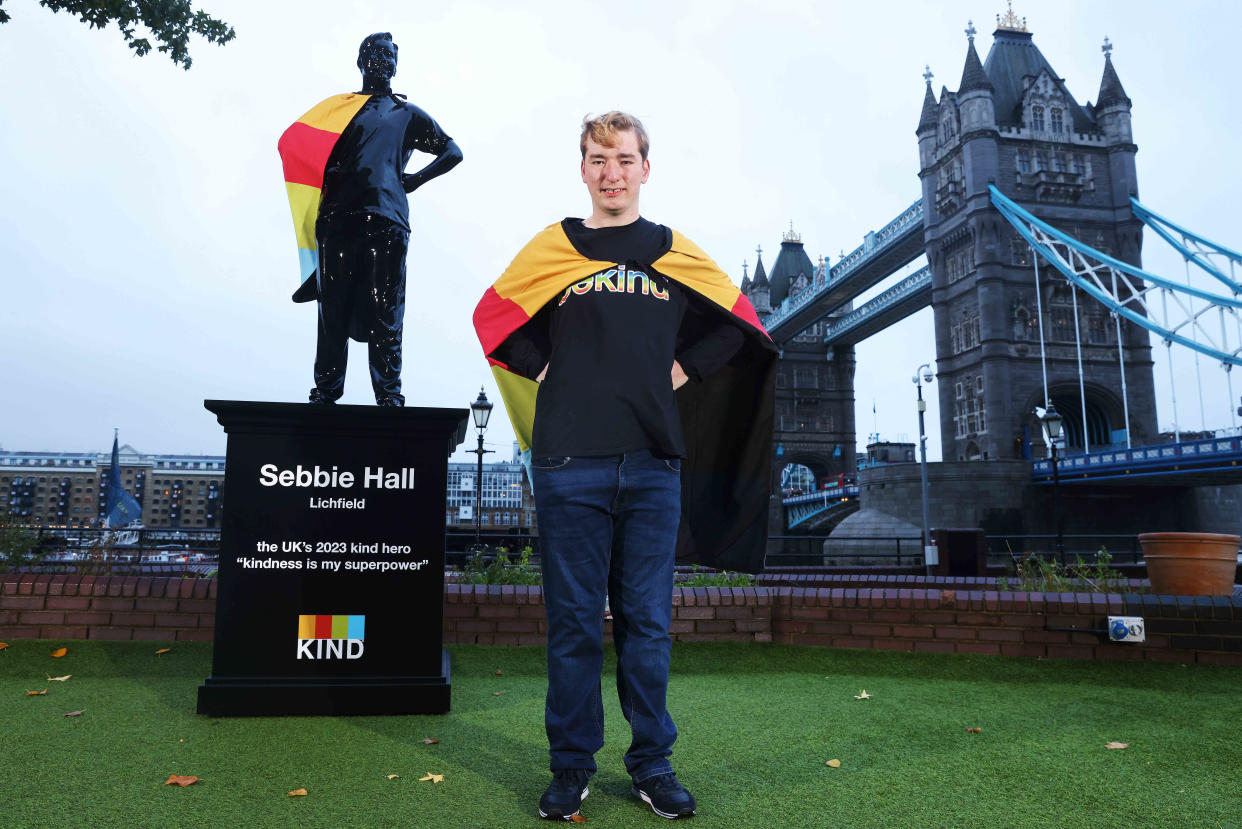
(304, 151)
(727, 418)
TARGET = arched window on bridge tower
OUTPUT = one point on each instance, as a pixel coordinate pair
(1037, 119)
(1022, 324)
(1060, 314)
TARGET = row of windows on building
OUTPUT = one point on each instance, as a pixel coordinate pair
(1055, 122)
(803, 377)
(799, 416)
(66, 500)
(1044, 160)
(501, 487)
(1043, 119)
(961, 263)
(506, 519)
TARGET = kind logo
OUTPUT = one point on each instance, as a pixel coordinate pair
(331, 637)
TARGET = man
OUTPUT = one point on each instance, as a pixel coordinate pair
(344, 166)
(610, 316)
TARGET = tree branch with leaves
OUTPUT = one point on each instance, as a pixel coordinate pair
(169, 22)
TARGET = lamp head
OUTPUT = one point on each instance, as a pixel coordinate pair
(1053, 420)
(481, 410)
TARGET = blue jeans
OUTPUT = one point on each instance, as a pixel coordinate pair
(608, 525)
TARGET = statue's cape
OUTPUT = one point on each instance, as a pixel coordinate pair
(304, 151)
(727, 418)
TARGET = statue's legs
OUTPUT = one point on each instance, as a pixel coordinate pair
(361, 294)
(336, 266)
(388, 293)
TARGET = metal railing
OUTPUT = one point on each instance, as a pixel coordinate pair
(874, 244)
(808, 550)
(1187, 456)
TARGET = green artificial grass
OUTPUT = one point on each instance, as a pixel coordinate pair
(757, 723)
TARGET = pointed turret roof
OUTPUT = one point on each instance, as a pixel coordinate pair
(1111, 90)
(791, 262)
(745, 278)
(761, 276)
(930, 108)
(973, 76)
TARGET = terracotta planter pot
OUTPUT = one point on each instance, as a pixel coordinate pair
(1190, 564)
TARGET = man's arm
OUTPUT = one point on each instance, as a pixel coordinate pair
(440, 165)
(706, 355)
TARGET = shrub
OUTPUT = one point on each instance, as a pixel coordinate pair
(1035, 574)
(498, 570)
(724, 578)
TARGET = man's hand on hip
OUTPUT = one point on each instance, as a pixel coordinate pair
(679, 377)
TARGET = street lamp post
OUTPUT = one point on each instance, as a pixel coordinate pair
(923, 375)
(481, 410)
(1052, 423)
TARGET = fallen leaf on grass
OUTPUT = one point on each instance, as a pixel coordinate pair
(834, 763)
(862, 695)
(497, 693)
(59, 652)
(1117, 745)
(498, 673)
(42, 693)
(434, 778)
(72, 714)
(430, 741)
(298, 793)
(577, 818)
(180, 780)
(162, 651)
(57, 678)
(392, 776)
(974, 730)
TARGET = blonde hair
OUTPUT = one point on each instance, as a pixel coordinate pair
(603, 130)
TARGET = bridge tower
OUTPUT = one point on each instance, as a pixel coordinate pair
(814, 382)
(1012, 122)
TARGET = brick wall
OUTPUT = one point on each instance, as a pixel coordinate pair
(102, 607)
(941, 616)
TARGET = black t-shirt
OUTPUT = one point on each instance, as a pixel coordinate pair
(609, 342)
(364, 171)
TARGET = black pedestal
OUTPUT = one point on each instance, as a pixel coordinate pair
(331, 586)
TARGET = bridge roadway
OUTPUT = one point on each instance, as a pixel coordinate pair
(800, 509)
(882, 253)
(1208, 462)
(900, 301)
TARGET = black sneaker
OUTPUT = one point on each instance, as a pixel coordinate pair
(666, 796)
(565, 794)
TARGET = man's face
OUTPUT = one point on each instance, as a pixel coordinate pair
(613, 175)
(379, 59)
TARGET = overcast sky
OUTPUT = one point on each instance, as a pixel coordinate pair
(148, 253)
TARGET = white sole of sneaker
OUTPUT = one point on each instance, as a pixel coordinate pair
(586, 790)
(646, 799)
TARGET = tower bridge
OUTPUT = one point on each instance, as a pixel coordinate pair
(1032, 232)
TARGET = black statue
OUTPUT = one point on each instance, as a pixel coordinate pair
(362, 226)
